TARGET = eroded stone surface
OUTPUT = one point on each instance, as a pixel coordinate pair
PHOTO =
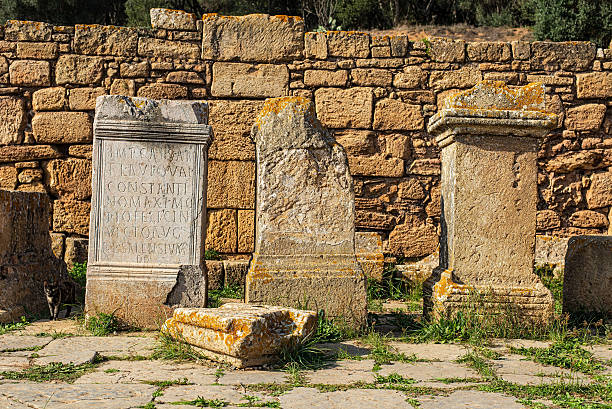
(305, 231)
(488, 137)
(13, 342)
(587, 283)
(310, 398)
(241, 334)
(148, 154)
(471, 400)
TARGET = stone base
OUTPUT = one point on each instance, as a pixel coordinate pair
(337, 286)
(442, 297)
(239, 334)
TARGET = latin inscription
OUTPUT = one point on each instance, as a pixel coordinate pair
(148, 201)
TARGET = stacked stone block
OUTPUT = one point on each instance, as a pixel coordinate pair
(375, 92)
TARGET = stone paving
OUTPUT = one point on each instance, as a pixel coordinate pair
(123, 376)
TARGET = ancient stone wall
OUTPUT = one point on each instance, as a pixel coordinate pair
(375, 92)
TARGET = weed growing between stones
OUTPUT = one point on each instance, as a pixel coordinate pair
(235, 291)
(102, 324)
(78, 273)
(4, 328)
(477, 360)
(54, 334)
(201, 402)
(168, 348)
(546, 272)
(210, 254)
(163, 385)
(55, 371)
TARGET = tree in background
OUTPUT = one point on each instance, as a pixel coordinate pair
(66, 12)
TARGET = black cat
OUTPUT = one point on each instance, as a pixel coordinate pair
(60, 292)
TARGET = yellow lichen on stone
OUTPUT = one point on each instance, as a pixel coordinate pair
(496, 95)
(298, 106)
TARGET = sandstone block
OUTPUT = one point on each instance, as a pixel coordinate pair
(249, 80)
(263, 331)
(8, 177)
(26, 257)
(392, 114)
(588, 219)
(78, 69)
(28, 152)
(163, 91)
(221, 233)
(155, 47)
(348, 44)
(185, 77)
(30, 176)
(246, 231)
(76, 251)
(369, 252)
(594, 85)
(411, 77)
(232, 122)
(134, 70)
(71, 216)
(462, 78)
(398, 145)
(93, 39)
(127, 88)
(4, 66)
(30, 73)
(371, 77)
(413, 239)
(17, 30)
(255, 37)
(235, 271)
(410, 189)
(570, 161)
(325, 78)
(84, 99)
(588, 117)
(345, 108)
(587, 280)
(305, 241)
(600, 192)
(49, 99)
(315, 45)
(172, 19)
(547, 220)
(69, 179)
(376, 165)
(80, 151)
(357, 142)
(424, 167)
(568, 56)
(57, 244)
(62, 127)
(231, 184)
(12, 120)
(551, 250)
(214, 274)
(444, 50)
(37, 51)
(488, 51)
(521, 50)
(434, 206)
(371, 219)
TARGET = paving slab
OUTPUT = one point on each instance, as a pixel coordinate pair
(343, 372)
(7, 403)
(434, 352)
(62, 326)
(67, 396)
(84, 349)
(13, 341)
(222, 392)
(428, 371)
(310, 398)
(14, 361)
(601, 352)
(518, 369)
(239, 377)
(501, 345)
(137, 371)
(354, 348)
(466, 399)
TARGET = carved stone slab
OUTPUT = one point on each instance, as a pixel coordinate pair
(148, 208)
(488, 137)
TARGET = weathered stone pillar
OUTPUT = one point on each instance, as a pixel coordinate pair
(489, 138)
(148, 209)
(305, 232)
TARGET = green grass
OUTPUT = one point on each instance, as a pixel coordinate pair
(201, 402)
(211, 255)
(102, 324)
(4, 328)
(554, 284)
(566, 353)
(255, 402)
(477, 360)
(55, 371)
(393, 287)
(78, 273)
(170, 349)
(394, 378)
(234, 291)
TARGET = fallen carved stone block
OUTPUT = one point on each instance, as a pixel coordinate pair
(241, 334)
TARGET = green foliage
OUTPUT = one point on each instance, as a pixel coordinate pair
(363, 14)
(573, 20)
(67, 12)
(168, 348)
(235, 291)
(394, 287)
(201, 402)
(55, 371)
(137, 11)
(566, 353)
(210, 254)
(102, 324)
(554, 284)
(394, 378)
(4, 328)
(78, 273)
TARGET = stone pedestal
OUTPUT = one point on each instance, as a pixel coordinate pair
(304, 234)
(489, 141)
(148, 212)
